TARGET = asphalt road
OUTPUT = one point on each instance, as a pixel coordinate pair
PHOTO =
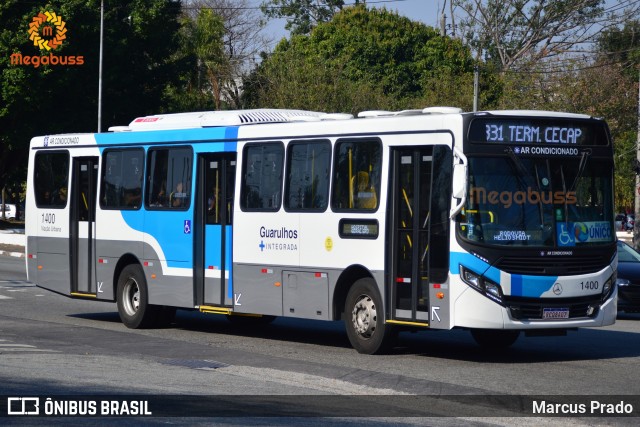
(51, 345)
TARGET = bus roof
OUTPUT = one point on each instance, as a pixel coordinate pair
(206, 119)
(245, 117)
(225, 118)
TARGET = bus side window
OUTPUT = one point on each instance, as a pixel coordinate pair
(121, 182)
(169, 178)
(51, 179)
(356, 174)
(308, 168)
(262, 177)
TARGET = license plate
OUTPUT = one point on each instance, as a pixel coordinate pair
(555, 313)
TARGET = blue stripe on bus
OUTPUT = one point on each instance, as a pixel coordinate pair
(469, 261)
(229, 260)
(173, 135)
(521, 285)
(531, 286)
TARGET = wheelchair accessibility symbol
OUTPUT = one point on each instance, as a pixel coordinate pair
(187, 226)
(565, 238)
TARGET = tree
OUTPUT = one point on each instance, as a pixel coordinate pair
(139, 41)
(237, 35)
(517, 33)
(619, 50)
(363, 59)
(302, 15)
(622, 46)
(203, 79)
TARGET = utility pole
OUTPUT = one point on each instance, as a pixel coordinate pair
(100, 67)
(476, 77)
(443, 22)
(636, 227)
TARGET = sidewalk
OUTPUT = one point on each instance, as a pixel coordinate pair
(12, 241)
(625, 236)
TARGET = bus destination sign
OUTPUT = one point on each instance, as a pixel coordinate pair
(537, 131)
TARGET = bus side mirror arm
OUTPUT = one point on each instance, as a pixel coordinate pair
(459, 186)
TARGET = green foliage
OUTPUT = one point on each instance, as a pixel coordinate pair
(302, 15)
(139, 42)
(365, 59)
(204, 64)
(622, 45)
(613, 92)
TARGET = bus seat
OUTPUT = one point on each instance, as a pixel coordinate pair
(365, 194)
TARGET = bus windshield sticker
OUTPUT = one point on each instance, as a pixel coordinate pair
(564, 234)
(593, 231)
(568, 234)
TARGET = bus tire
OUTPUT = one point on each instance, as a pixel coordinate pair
(133, 300)
(364, 319)
(494, 338)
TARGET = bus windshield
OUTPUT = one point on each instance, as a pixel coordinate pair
(546, 202)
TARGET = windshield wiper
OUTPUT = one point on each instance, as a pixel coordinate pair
(581, 167)
(524, 172)
(583, 164)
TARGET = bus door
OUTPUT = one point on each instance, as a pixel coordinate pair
(418, 227)
(83, 212)
(214, 220)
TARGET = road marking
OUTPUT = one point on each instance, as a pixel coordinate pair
(17, 345)
(7, 346)
(5, 297)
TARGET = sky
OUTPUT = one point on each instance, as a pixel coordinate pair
(425, 11)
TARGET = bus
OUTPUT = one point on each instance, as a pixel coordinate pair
(498, 222)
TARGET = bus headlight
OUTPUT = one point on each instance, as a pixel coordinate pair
(470, 278)
(482, 284)
(492, 289)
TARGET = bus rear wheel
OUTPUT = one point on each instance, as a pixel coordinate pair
(494, 338)
(133, 300)
(364, 319)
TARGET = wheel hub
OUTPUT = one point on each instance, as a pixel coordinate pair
(364, 316)
(132, 299)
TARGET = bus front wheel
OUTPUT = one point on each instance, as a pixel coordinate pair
(364, 319)
(133, 300)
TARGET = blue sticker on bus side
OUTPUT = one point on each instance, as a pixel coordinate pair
(170, 229)
(229, 260)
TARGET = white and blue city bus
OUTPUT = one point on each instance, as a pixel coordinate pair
(500, 221)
